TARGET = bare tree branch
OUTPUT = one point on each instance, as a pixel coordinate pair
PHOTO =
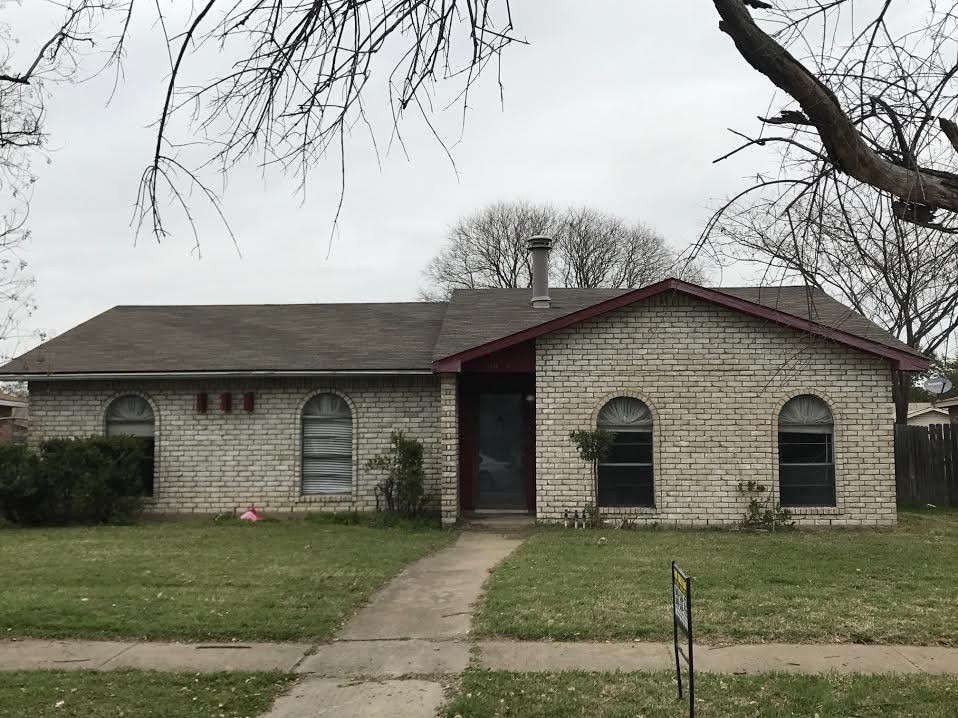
(846, 238)
(844, 144)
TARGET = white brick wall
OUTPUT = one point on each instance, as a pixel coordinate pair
(715, 381)
(449, 442)
(217, 462)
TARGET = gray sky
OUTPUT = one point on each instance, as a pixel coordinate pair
(621, 106)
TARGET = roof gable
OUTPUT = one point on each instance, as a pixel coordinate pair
(843, 325)
(917, 408)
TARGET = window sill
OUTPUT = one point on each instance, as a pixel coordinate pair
(325, 498)
(628, 510)
(814, 510)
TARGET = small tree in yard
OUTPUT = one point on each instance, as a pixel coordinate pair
(401, 492)
(593, 446)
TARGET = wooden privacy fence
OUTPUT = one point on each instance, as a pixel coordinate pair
(926, 464)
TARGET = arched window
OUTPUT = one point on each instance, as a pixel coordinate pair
(327, 445)
(806, 453)
(132, 416)
(625, 477)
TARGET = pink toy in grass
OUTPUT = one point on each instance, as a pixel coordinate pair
(251, 515)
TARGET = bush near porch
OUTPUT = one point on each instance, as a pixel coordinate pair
(274, 580)
(888, 586)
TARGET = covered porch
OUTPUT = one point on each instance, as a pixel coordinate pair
(492, 470)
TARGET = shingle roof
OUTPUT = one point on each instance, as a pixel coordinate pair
(290, 337)
(479, 316)
(817, 306)
(352, 337)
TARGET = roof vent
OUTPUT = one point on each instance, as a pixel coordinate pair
(539, 247)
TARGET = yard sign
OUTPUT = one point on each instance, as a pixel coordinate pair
(682, 619)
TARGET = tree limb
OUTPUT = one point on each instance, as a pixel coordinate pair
(844, 145)
(950, 130)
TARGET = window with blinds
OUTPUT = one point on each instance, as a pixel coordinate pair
(133, 416)
(327, 446)
(806, 453)
(625, 475)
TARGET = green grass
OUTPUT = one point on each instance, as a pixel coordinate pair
(139, 694)
(280, 580)
(892, 586)
(488, 694)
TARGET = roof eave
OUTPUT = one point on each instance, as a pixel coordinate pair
(929, 410)
(216, 374)
(905, 361)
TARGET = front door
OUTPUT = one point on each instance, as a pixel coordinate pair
(501, 447)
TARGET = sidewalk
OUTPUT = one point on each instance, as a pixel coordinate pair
(395, 658)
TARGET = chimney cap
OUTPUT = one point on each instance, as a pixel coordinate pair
(540, 241)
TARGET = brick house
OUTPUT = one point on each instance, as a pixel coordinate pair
(281, 406)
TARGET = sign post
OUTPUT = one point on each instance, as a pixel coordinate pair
(682, 619)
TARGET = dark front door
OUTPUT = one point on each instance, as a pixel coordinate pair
(501, 448)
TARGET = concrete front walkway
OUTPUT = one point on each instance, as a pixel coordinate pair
(416, 626)
(434, 598)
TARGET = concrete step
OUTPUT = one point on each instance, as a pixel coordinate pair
(498, 522)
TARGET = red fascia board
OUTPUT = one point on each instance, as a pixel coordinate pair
(906, 361)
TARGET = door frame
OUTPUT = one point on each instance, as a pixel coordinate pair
(471, 386)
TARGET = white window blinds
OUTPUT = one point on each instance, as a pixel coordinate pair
(625, 413)
(327, 445)
(129, 416)
(806, 414)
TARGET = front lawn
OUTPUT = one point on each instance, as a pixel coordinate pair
(89, 694)
(491, 694)
(280, 580)
(891, 586)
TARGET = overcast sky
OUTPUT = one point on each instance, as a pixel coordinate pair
(621, 106)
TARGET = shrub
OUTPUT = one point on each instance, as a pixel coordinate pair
(19, 489)
(401, 492)
(593, 446)
(94, 480)
(762, 515)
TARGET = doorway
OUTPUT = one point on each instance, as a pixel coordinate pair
(497, 449)
(501, 460)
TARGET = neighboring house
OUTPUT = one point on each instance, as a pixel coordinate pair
(14, 418)
(951, 406)
(282, 406)
(924, 414)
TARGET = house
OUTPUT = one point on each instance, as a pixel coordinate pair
(951, 406)
(921, 413)
(14, 418)
(282, 406)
